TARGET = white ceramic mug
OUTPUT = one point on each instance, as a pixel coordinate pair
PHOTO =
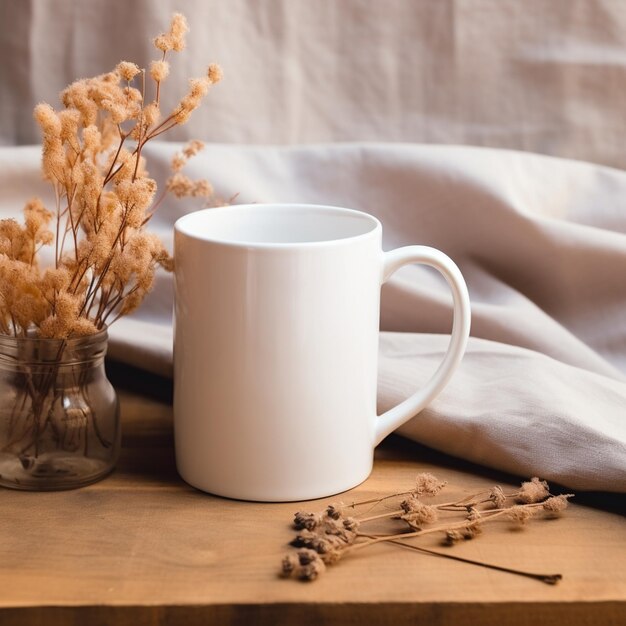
(276, 346)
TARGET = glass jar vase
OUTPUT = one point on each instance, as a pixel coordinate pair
(59, 414)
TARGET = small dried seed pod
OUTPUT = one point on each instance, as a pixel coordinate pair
(533, 491)
(555, 505)
(302, 520)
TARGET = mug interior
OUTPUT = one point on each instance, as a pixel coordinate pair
(276, 224)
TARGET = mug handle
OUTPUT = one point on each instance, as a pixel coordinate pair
(393, 260)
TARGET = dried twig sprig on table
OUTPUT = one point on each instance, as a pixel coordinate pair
(104, 261)
(331, 534)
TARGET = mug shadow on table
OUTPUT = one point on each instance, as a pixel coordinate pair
(147, 453)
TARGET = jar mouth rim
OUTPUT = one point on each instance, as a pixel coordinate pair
(81, 341)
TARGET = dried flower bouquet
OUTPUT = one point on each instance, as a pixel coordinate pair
(326, 537)
(103, 260)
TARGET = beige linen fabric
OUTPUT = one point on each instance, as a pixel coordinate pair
(542, 244)
(545, 76)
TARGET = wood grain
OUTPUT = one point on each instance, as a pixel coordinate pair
(142, 547)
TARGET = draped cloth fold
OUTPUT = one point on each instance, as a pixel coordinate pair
(542, 244)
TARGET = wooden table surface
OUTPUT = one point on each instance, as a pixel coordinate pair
(142, 547)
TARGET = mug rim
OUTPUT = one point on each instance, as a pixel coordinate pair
(181, 226)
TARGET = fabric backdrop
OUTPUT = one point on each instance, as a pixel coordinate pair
(542, 244)
(545, 76)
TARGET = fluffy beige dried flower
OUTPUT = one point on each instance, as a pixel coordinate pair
(151, 114)
(163, 42)
(334, 511)
(416, 513)
(70, 120)
(178, 30)
(104, 261)
(473, 514)
(79, 96)
(181, 185)
(36, 221)
(289, 565)
(64, 318)
(192, 148)
(520, 514)
(215, 73)
(53, 154)
(308, 521)
(92, 141)
(496, 495)
(329, 534)
(310, 565)
(175, 38)
(330, 546)
(159, 70)
(21, 299)
(198, 88)
(555, 505)
(83, 326)
(452, 537)
(127, 70)
(351, 523)
(428, 485)
(179, 160)
(462, 534)
(533, 491)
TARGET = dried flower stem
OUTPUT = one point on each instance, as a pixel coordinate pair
(375, 501)
(549, 579)
(158, 84)
(123, 137)
(486, 516)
